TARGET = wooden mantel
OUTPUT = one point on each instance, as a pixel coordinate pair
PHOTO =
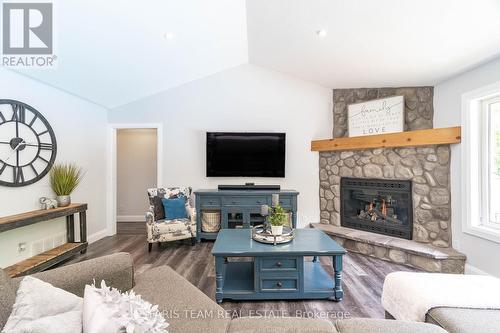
(427, 137)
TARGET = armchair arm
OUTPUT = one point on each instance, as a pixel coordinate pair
(191, 211)
(116, 269)
(150, 215)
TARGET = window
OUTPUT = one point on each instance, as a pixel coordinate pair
(480, 183)
(490, 162)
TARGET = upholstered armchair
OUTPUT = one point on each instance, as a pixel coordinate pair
(160, 229)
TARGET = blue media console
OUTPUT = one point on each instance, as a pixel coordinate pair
(240, 208)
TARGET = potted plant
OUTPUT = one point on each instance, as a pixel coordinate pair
(64, 178)
(277, 218)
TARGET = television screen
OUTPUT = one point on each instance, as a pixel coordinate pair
(245, 154)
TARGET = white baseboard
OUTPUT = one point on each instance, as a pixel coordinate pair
(469, 269)
(130, 218)
(98, 235)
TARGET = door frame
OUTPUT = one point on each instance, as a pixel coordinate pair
(112, 167)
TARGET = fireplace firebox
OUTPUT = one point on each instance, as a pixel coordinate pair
(377, 205)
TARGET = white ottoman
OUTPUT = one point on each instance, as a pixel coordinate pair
(409, 295)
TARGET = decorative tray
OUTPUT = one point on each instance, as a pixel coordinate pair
(261, 235)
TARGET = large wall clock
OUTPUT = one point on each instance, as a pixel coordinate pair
(27, 144)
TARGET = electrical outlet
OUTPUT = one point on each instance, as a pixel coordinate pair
(21, 247)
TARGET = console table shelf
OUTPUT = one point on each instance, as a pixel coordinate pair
(428, 137)
(45, 259)
(56, 255)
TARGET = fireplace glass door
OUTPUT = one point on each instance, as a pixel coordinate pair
(377, 205)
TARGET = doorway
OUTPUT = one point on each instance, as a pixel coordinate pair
(135, 165)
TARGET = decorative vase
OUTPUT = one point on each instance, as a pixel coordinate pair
(277, 230)
(63, 200)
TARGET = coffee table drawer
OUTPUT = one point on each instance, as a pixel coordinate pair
(279, 264)
(277, 284)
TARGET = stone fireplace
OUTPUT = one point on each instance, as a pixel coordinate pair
(376, 205)
(426, 168)
(416, 208)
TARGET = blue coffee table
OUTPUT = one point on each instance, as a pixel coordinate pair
(248, 270)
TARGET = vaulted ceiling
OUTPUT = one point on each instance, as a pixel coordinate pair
(373, 43)
(114, 52)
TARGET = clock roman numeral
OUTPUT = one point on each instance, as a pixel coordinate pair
(18, 175)
(2, 118)
(2, 168)
(35, 117)
(19, 113)
(46, 146)
(43, 159)
(34, 170)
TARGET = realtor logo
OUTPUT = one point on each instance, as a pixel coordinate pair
(27, 30)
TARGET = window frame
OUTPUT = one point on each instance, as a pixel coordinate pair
(486, 163)
(473, 156)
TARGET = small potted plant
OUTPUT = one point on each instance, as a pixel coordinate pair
(64, 178)
(277, 218)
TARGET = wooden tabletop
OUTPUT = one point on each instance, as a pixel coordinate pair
(24, 219)
(307, 242)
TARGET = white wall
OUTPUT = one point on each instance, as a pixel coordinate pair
(481, 254)
(80, 129)
(136, 165)
(245, 98)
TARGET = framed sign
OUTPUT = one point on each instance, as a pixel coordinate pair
(379, 116)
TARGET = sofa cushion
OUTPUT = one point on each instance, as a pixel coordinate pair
(384, 326)
(41, 307)
(107, 310)
(280, 325)
(7, 297)
(116, 269)
(176, 228)
(185, 307)
(458, 320)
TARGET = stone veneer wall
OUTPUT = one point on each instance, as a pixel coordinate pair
(419, 110)
(427, 167)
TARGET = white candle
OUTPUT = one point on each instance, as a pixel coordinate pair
(275, 199)
(264, 210)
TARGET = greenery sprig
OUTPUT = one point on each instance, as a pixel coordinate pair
(64, 178)
(277, 216)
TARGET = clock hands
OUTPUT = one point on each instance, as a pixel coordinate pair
(30, 144)
(15, 151)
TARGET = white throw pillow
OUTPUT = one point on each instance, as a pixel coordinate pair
(106, 310)
(43, 308)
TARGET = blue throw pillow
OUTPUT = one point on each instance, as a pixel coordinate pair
(175, 208)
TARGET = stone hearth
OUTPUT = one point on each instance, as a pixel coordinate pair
(401, 251)
(428, 168)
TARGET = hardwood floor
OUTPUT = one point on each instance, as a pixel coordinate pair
(362, 277)
(131, 228)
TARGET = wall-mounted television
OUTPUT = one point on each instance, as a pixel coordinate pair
(232, 154)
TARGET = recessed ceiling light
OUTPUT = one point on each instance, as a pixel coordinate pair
(168, 35)
(321, 33)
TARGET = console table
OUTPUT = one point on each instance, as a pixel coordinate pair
(276, 271)
(58, 254)
(240, 208)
